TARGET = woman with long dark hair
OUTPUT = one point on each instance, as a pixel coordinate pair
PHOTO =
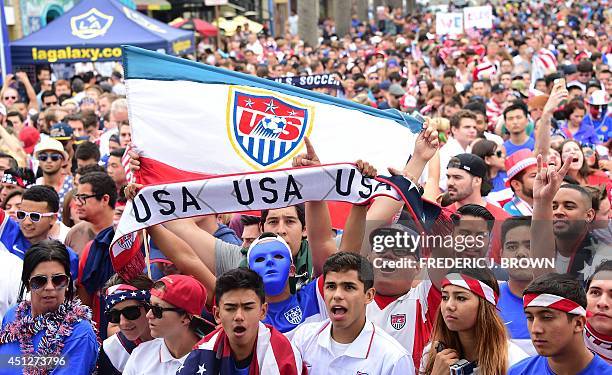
(494, 156)
(468, 331)
(579, 168)
(52, 332)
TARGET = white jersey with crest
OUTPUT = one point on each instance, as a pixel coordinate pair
(409, 318)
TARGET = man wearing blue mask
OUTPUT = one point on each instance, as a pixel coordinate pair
(270, 257)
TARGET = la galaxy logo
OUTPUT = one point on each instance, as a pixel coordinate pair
(90, 24)
(294, 316)
(265, 129)
(398, 321)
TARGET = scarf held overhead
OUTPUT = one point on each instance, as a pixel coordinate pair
(249, 191)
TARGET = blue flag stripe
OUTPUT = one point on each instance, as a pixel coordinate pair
(144, 64)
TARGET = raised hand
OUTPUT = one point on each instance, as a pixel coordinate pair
(427, 142)
(131, 189)
(366, 168)
(310, 158)
(548, 180)
(134, 161)
(558, 94)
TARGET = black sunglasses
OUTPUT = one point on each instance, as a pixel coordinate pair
(130, 313)
(54, 157)
(499, 153)
(59, 281)
(158, 311)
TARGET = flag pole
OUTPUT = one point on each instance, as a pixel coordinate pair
(145, 237)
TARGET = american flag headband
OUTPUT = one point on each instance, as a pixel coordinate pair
(475, 286)
(123, 292)
(553, 302)
(8, 178)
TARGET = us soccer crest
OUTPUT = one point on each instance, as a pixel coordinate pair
(294, 316)
(398, 321)
(90, 24)
(265, 128)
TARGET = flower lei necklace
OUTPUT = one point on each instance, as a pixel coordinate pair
(57, 326)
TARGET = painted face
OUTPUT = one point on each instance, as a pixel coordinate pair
(272, 261)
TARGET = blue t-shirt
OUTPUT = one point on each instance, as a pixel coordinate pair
(285, 316)
(512, 313)
(499, 181)
(80, 350)
(511, 148)
(538, 365)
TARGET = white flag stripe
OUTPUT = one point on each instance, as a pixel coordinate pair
(176, 137)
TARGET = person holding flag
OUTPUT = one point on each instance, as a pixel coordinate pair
(555, 306)
(242, 344)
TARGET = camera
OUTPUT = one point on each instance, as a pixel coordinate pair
(463, 367)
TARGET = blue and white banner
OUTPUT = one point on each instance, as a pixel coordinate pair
(315, 81)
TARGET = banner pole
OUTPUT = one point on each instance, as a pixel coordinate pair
(145, 237)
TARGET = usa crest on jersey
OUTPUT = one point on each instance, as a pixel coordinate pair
(294, 316)
(266, 128)
(398, 321)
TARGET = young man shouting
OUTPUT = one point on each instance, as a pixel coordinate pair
(242, 345)
(348, 342)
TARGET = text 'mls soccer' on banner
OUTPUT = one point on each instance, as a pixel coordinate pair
(192, 121)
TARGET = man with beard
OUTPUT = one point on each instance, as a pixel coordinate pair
(521, 168)
(468, 184)
(561, 218)
(516, 245)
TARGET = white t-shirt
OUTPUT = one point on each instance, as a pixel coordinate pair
(515, 355)
(10, 276)
(372, 352)
(450, 149)
(151, 358)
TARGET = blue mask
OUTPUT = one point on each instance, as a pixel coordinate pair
(272, 261)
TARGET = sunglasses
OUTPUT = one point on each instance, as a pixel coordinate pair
(10, 97)
(499, 153)
(158, 311)
(53, 157)
(34, 216)
(130, 313)
(59, 281)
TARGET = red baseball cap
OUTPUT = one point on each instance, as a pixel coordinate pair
(29, 136)
(184, 292)
(518, 162)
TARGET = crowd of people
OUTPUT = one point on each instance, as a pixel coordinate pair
(515, 151)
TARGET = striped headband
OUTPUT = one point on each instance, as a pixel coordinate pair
(121, 292)
(475, 286)
(553, 302)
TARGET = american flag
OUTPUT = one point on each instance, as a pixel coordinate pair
(125, 161)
